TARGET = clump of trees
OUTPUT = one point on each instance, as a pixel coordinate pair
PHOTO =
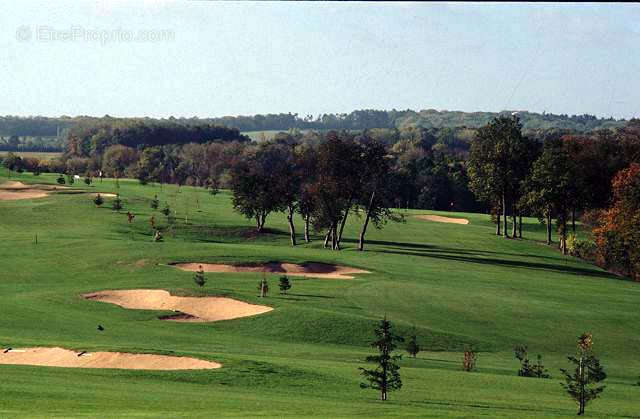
(581, 382)
(385, 377)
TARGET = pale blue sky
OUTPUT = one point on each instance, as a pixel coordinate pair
(247, 58)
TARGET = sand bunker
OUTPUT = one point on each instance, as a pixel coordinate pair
(104, 195)
(12, 190)
(440, 219)
(188, 309)
(59, 357)
(312, 270)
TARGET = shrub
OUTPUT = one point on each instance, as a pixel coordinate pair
(60, 180)
(166, 210)
(87, 180)
(98, 200)
(527, 369)
(154, 202)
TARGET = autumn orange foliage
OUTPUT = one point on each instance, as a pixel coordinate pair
(617, 234)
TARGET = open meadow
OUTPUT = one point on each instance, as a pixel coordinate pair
(455, 284)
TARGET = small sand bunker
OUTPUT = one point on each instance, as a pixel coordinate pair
(59, 357)
(104, 195)
(188, 309)
(12, 191)
(312, 270)
(440, 219)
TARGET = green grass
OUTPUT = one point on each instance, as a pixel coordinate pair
(455, 284)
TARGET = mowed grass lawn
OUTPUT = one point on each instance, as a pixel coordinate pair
(454, 284)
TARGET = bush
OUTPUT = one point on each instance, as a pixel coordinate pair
(87, 180)
(98, 200)
(60, 180)
(585, 249)
(199, 277)
(155, 203)
(527, 369)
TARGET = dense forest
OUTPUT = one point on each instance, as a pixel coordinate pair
(49, 134)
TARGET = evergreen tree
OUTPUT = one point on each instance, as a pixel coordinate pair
(166, 210)
(588, 371)
(199, 277)
(60, 180)
(385, 377)
(87, 180)
(285, 284)
(70, 179)
(527, 369)
(155, 202)
(117, 203)
(412, 347)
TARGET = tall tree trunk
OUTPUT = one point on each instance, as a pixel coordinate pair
(258, 224)
(549, 226)
(504, 215)
(514, 232)
(327, 237)
(343, 222)
(519, 224)
(334, 237)
(366, 222)
(292, 228)
(498, 225)
(573, 220)
(306, 229)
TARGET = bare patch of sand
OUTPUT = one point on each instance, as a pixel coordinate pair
(440, 219)
(104, 195)
(188, 309)
(12, 190)
(312, 270)
(59, 357)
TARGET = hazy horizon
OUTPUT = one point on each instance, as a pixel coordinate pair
(204, 59)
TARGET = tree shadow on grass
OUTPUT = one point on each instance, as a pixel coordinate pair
(462, 257)
(311, 295)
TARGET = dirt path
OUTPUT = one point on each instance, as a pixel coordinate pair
(440, 219)
(313, 270)
(59, 357)
(188, 309)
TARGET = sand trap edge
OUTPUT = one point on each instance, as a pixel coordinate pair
(318, 270)
(65, 358)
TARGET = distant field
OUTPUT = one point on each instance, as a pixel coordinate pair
(267, 135)
(36, 154)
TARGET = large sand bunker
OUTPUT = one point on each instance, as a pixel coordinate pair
(12, 191)
(440, 219)
(189, 309)
(313, 270)
(59, 357)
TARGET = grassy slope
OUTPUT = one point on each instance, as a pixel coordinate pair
(456, 284)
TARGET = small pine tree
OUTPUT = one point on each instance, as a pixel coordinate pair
(60, 180)
(155, 202)
(166, 210)
(117, 203)
(588, 371)
(199, 277)
(98, 200)
(87, 180)
(385, 377)
(70, 179)
(263, 287)
(527, 369)
(470, 358)
(412, 347)
(284, 285)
